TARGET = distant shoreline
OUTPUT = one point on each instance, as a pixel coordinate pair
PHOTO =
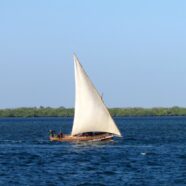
(26, 112)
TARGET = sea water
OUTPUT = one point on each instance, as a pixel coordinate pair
(151, 152)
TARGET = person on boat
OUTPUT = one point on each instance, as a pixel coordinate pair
(60, 135)
(51, 133)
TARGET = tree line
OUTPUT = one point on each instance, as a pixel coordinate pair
(69, 112)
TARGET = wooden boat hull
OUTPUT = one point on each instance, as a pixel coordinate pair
(70, 138)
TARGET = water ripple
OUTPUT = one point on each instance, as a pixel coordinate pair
(151, 153)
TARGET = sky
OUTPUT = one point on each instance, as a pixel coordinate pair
(134, 51)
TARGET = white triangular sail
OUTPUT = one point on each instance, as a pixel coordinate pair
(91, 115)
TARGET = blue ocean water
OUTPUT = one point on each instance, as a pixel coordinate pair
(152, 152)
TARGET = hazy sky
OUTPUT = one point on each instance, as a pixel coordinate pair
(134, 51)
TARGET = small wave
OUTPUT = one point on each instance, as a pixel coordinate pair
(147, 153)
(90, 184)
(130, 139)
(182, 156)
(41, 141)
(10, 141)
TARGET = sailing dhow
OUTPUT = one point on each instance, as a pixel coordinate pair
(92, 120)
